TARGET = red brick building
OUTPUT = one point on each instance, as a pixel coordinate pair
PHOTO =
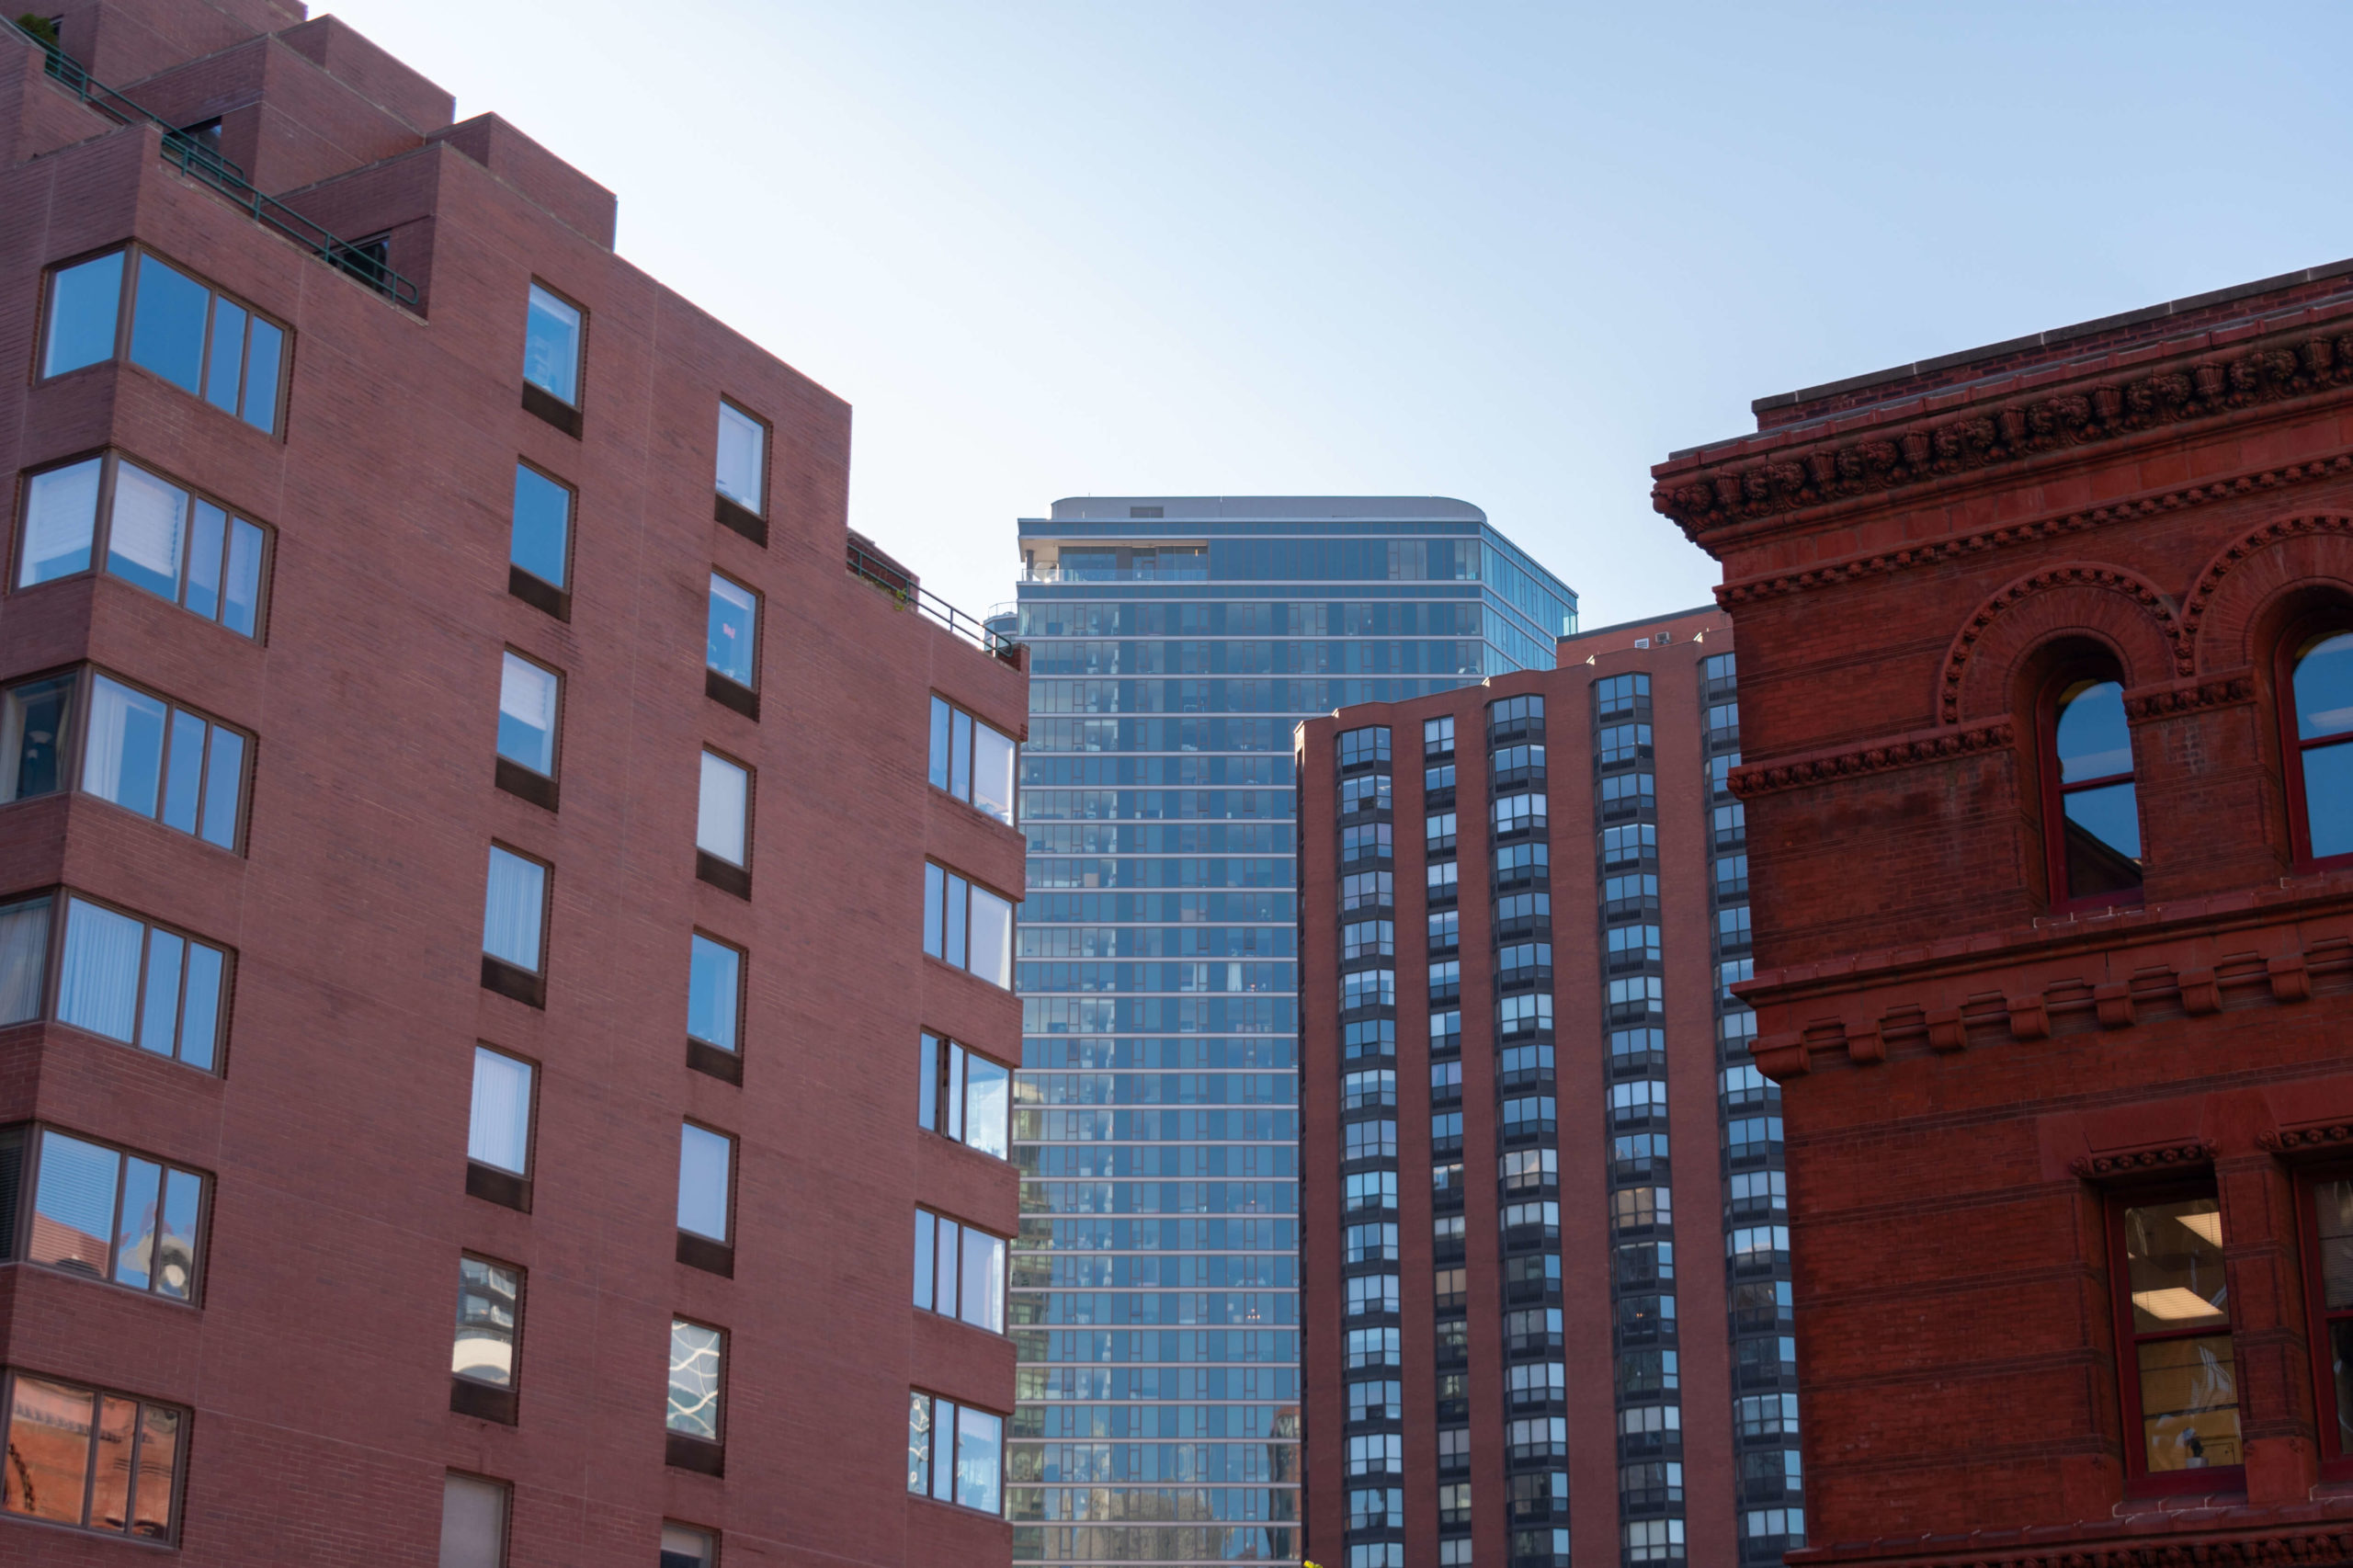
(437, 1015)
(1544, 1259)
(2044, 676)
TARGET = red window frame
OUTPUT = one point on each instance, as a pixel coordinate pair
(2335, 1459)
(2292, 745)
(2139, 1479)
(2054, 815)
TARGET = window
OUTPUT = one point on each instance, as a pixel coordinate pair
(724, 817)
(1446, 980)
(1378, 1453)
(551, 346)
(967, 926)
(1358, 747)
(202, 342)
(683, 1546)
(2330, 1232)
(1374, 1190)
(1361, 1091)
(960, 1271)
(1370, 1293)
(730, 649)
(117, 976)
(515, 910)
(1370, 1347)
(1446, 1029)
(1454, 1503)
(706, 1166)
(498, 1129)
(473, 1522)
(1370, 1243)
(540, 542)
(1368, 792)
(743, 459)
(1438, 833)
(1369, 939)
(1623, 743)
(490, 1319)
(2322, 778)
(163, 762)
(2095, 832)
(528, 696)
(971, 760)
(955, 1453)
(1368, 890)
(157, 535)
(1445, 931)
(1438, 780)
(1517, 1016)
(1653, 1540)
(1442, 880)
(1375, 1507)
(1370, 1140)
(714, 992)
(1368, 988)
(2174, 1324)
(1719, 667)
(1369, 842)
(94, 1460)
(103, 1213)
(697, 1354)
(963, 1095)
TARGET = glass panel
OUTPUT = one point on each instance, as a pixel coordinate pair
(34, 741)
(228, 356)
(111, 1476)
(97, 985)
(159, 1453)
(543, 523)
(261, 376)
(2340, 1356)
(224, 780)
(123, 759)
(552, 345)
(2189, 1412)
(2324, 688)
(939, 744)
(703, 1157)
(959, 897)
(143, 1211)
(184, 776)
(918, 1442)
(982, 1291)
(200, 1018)
(84, 302)
(683, 1548)
(512, 910)
(726, 799)
(159, 1014)
(992, 937)
(206, 540)
(241, 606)
(487, 1298)
(2174, 1253)
(957, 1057)
(47, 1452)
(74, 1206)
(935, 898)
(24, 959)
(2093, 740)
(925, 1241)
(943, 1451)
(61, 517)
(734, 618)
(986, 1104)
(694, 1380)
(2103, 840)
(943, 1274)
(175, 1243)
(2333, 1207)
(146, 531)
(526, 698)
(740, 442)
(979, 1439)
(473, 1523)
(993, 772)
(714, 984)
(499, 1134)
(928, 1083)
(959, 756)
(2328, 799)
(167, 323)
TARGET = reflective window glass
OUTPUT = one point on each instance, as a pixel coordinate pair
(741, 443)
(539, 544)
(551, 348)
(2101, 820)
(527, 713)
(731, 647)
(714, 991)
(84, 301)
(2324, 697)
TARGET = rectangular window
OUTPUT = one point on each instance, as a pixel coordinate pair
(697, 1356)
(200, 341)
(499, 1129)
(967, 926)
(963, 1095)
(528, 698)
(724, 818)
(714, 992)
(473, 1522)
(743, 459)
(2330, 1281)
(2180, 1376)
(106, 1213)
(731, 647)
(960, 1271)
(515, 910)
(541, 541)
(683, 1546)
(971, 760)
(706, 1166)
(551, 346)
(157, 535)
(91, 1460)
(955, 1453)
(490, 1322)
(1437, 736)
(84, 309)
(163, 762)
(121, 977)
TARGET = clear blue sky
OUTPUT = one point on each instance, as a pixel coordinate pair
(1510, 253)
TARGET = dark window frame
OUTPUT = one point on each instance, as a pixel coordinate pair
(750, 521)
(2335, 1455)
(2139, 1480)
(126, 306)
(567, 415)
(20, 1224)
(110, 459)
(75, 754)
(2301, 635)
(179, 1485)
(473, 1396)
(2059, 890)
(502, 975)
(554, 599)
(725, 689)
(711, 1254)
(493, 1184)
(60, 896)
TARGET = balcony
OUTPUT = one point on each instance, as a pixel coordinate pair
(870, 564)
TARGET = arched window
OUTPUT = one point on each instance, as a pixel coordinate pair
(2322, 679)
(2095, 841)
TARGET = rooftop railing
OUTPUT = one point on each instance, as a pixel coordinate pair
(1115, 575)
(913, 595)
(195, 157)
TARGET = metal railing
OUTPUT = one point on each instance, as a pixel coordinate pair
(1115, 575)
(194, 157)
(912, 594)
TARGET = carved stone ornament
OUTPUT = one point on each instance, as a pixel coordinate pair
(2301, 1139)
(2131, 585)
(2141, 1162)
(1904, 751)
(2189, 699)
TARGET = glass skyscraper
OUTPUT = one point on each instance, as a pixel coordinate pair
(1173, 642)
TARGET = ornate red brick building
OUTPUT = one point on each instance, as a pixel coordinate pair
(2043, 655)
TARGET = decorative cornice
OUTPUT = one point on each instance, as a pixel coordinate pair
(2226, 692)
(1851, 568)
(2112, 579)
(2302, 1139)
(1904, 751)
(2141, 1162)
(2192, 1543)
(2085, 414)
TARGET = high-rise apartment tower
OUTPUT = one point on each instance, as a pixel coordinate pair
(1179, 641)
